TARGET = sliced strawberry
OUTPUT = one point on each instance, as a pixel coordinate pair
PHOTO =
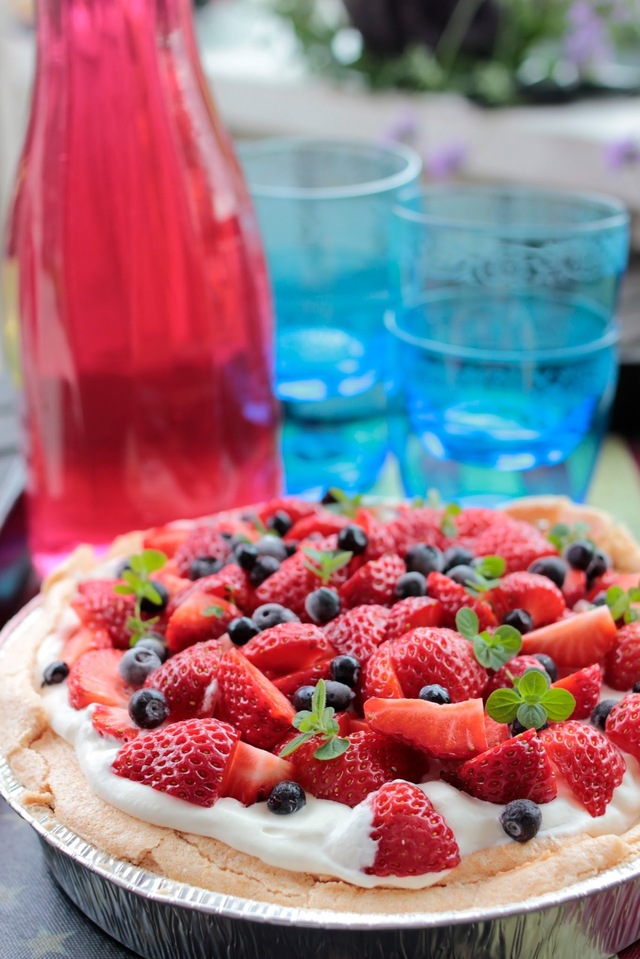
(626, 581)
(187, 680)
(584, 685)
(522, 590)
(167, 539)
(422, 525)
(186, 760)
(359, 631)
(374, 583)
(455, 731)
(197, 618)
(369, 762)
(324, 523)
(519, 543)
(518, 768)
(288, 648)
(515, 667)
(496, 732)
(622, 662)
(114, 721)
(293, 581)
(100, 608)
(590, 764)
(81, 641)
(260, 712)
(378, 678)
(579, 640)
(412, 838)
(230, 583)
(623, 724)
(291, 682)
(413, 612)
(202, 541)
(251, 773)
(574, 587)
(294, 507)
(94, 678)
(453, 597)
(425, 656)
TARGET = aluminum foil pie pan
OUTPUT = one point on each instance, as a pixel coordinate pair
(161, 918)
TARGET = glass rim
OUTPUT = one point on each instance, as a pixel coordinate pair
(395, 181)
(559, 354)
(614, 212)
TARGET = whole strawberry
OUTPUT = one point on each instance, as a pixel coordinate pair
(422, 525)
(374, 583)
(623, 725)
(518, 768)
(410, 613)
(589, 763)
(295, 578)
(622, 664)
(186, 760)
(453, 597)
(288, 648)
(412, 838)
(187, 681)
(426, 656)
(202, 542)
(518, 543)
(100, 608)
(359, 631)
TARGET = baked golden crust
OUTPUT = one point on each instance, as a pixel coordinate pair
(47, 767)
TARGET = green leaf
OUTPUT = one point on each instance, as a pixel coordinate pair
(148, 561)
(502, 705)
(324, 563)
(485, 654)
(490, 567)
(531, 715)
(319, 698)
(123, 589)
(148, 591)
(509, 639)
(214, 610)
(447, 522)
(533, 684)
(467, 622)
(331, 749)
(344, 505)
(302, 717)
(434, 500)
(559, 704)
(295, 743)
(493, 650)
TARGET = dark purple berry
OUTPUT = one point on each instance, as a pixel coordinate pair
(204, 566)
(548, 665)
(138, 663)
(156, 644)
(552, 567)
(600, 712)
(241, 629)
(600, 563)
(286, 797)
(245, 555)
(322, 605)
(435, 693)
(346, 670)
(270, 545)
(339, 695)
(150, 606)
(456, 556)
(302, 697)
(521, 819)
(329, 498)
(148, 708)
(411, 584)
(636, 688)
(424, 559)
(464, 575)
(280, 522)
(353, 538)
(600, 599)
(520, 619)
(263, 568)
(272, 614)
(55, 673)
(516, 727)
(579, 554)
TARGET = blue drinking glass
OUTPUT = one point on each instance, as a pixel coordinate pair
(324, 211)
(505, 341)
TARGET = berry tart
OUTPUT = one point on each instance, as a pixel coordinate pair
(333, 705)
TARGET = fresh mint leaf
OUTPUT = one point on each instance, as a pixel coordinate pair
(147, 562)
(560, 535)
(467, 622)
(344, 504)
(491, 567)
(533, 683)
(295, 743)
(324, 563)
(531, 715)
(492, 650)
(531, 701)
(620, 603)
(318, 721)
(332, 749)
(447, 522)
(502, 705)
(559, 704)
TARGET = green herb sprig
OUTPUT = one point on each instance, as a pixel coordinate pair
(447, 522)
(137, 582)
(531, 701)
(561, 535)
(619, 602)
(323, 563)
(318, 721)
(344, 504)
(488, 571)
(492, 650)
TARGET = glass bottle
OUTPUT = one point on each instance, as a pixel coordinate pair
(136, 280)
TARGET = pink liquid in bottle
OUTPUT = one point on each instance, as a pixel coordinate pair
(139, 284)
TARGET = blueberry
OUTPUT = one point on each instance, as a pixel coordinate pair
(245, 555)
(435, 694)
(516, 727)
(280, 522)
(204, 566)
(600, 599)
(346, 670)
(329, 498)
(636, 688)
(269, 545)
(272, 614)
(241, 629)
(286, 797)
(464, 575)
(322, 605)
(548, 665)
(411, 584)
(55, 673)
(137, 664)
(353, 538)
(263, 567)
(521, 819)
(424, 559)
(579, 554)
(520, 619)
(600, 712)
(150, 607)
(456, 556)
(339, 695)
(292, 546)
(302, 697)
(156, 643)
(552, 567)
(600, 563)
(148, 708)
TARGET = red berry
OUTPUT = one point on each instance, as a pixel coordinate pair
(94, 678)
(114, 721)
(424, 656)
(100, 608)
(422, 525)
(359, 631)
(378, 678)
(374, 583)
(186, 680)
(519, 543)
(251, 773)
(201, 541)
(623, 724)
(576, 641)
(197, 618)
(81, 641)
(584, 685)
(454, 597)
(622, 663)
(250, 702)
(293, 507)
(518, 768)
(288, 648)
(590, 764)
(454, 731)
(522, 590)
(517, 667)
(412, 612)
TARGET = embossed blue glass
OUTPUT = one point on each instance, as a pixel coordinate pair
(506, 338)
(324, 210)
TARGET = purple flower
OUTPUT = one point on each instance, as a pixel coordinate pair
(402, 128)
(445, 160)
(586, 40)
(621, 153)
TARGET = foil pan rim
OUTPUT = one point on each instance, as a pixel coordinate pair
(160, 889)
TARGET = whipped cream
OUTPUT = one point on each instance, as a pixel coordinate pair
(324, 838)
